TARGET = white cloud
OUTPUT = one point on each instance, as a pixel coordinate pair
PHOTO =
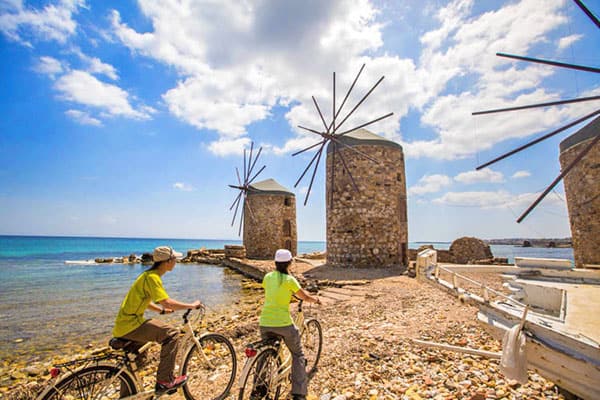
(521, 174)
(566, 41)
(498, 199)
(96, 66)
(430, 184)
(184, 187)
(53, 22)
(468, 54)
(83, 118)
(236, 61)
(82, 88)
(485, 175)
(226, 147)
(49, 66)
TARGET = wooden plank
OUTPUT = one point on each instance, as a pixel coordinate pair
(467, 350)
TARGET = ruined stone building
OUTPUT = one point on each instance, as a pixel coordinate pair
(269, 220)
(582, 189)
(367, 228)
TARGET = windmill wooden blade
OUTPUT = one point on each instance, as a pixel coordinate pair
(256, 159)
(242, 217)
(236, 199)
(332, 180)
(355, 150)
(309, 164)
(336, 113)
(359, 103)
(332, 126)
(251, 213)
(320, 114)
(348, 171)
(237, 203)
(587, 12)
(237, 172)
(549, 62)
(308, 148)
(518, 149)
(259, 171)
(313, 175)
(311, 130)
(367, 123)
(245, 174)
(559, 177)
(249, 161)
(552, 103)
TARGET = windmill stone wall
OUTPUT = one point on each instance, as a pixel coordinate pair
(269, 220)
(582, 189)
(368, 228)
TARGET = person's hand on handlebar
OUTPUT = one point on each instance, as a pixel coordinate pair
(197, 305)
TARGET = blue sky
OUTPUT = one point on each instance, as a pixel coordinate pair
(123, 118)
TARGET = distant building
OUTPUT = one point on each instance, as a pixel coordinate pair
(269, 220)
(367, 228)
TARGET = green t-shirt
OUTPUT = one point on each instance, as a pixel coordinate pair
(147, 287)
(279, 289)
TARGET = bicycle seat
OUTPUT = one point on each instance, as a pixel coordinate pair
(118, 343)
(273, 341)
(128, 346)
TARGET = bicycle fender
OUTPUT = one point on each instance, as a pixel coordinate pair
(248, 365)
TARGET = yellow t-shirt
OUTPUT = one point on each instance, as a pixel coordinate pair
(147, 287)
(279, 289)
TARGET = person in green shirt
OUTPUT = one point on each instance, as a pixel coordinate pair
(147, 292)
(276, 321)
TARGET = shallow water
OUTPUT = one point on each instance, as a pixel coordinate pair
(46, 305)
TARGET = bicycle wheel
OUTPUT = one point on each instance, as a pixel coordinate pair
(94, 382)
(312, 343)
(210, 374)
(261, 383)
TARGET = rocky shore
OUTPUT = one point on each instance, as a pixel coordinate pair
(369, 319)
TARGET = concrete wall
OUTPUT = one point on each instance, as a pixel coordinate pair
(582, 188)
(367, 228)
(270, 225)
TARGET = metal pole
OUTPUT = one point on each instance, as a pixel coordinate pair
(559, 177)
(510, 153)
(552, 103)
(553, 63)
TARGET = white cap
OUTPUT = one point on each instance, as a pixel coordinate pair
(283, 255)
(164, 253)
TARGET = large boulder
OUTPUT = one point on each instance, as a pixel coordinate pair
(467, 250)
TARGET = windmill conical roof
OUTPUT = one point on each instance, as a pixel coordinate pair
(268, 186)
(587, 132)
(362, 137)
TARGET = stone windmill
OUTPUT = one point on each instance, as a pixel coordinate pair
(268, 214)
(579, 158)
(243, 186)
(365, 189)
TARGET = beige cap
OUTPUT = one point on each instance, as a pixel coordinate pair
(163, 253)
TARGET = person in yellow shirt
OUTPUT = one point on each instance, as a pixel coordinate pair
(147, 292)
(276, 321)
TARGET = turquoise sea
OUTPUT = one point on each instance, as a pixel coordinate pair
(46, 304)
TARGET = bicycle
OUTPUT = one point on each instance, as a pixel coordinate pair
(268, 367)
(209, 362)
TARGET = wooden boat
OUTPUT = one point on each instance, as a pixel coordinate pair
(562, 326)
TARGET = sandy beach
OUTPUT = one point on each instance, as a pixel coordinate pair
(368, 325)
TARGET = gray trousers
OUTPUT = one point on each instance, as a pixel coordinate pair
(291, 337)
(154, 330)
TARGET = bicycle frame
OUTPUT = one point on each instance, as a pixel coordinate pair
(126, 362)
(284, 355)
